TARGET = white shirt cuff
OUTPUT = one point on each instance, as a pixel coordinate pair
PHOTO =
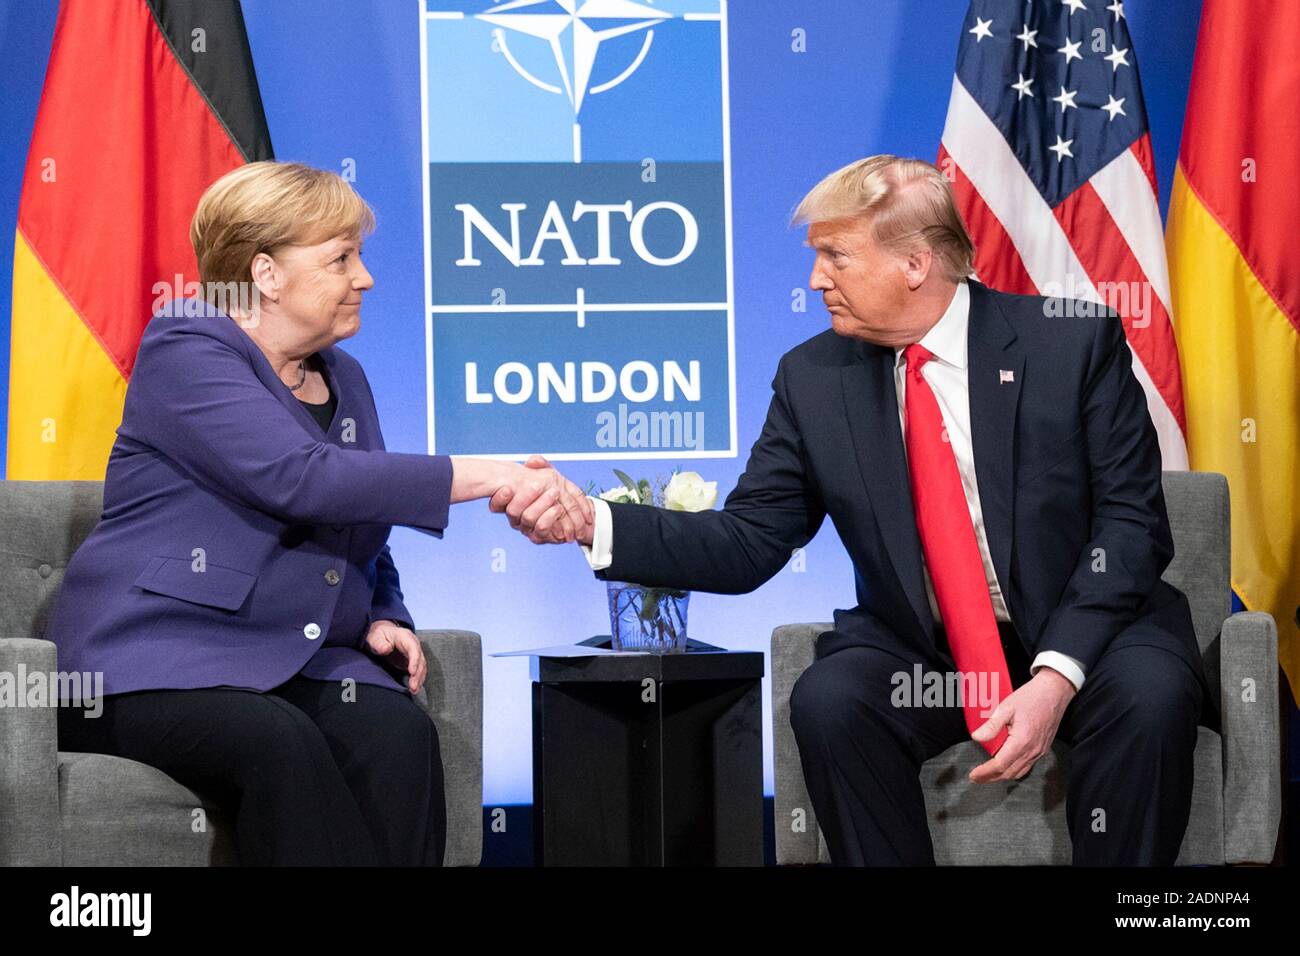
(601, 553)
(1063, 664)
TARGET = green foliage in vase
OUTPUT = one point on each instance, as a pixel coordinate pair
(682, 491)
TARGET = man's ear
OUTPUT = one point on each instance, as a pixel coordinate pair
(917, 266)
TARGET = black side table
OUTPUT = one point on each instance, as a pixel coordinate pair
(648, 760)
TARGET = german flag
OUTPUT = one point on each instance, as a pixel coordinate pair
(146, 103)
(1236, 292)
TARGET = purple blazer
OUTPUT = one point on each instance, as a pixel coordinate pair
(240, 544)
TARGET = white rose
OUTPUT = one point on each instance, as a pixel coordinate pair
(621, 494)
(687, 491)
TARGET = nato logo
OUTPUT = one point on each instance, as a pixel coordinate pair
(577, 242)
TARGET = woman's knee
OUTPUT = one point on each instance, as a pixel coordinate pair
(412, 738)
(272, 739)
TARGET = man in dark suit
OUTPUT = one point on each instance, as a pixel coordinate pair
(993, 471)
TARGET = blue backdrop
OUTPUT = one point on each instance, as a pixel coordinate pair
(341, 81)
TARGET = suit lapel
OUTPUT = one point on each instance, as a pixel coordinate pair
(871, 405)
(995, 374)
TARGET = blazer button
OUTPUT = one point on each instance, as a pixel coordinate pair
(331, 577)
(312, 631)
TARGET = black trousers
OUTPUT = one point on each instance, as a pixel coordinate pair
(1132, 730)
(309, 777)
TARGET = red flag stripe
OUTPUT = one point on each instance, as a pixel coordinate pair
(1146, 159)
(1238, 148)
(130, 146)
(1102, 251)
(996, 259)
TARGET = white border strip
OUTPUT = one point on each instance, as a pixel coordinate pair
(587, 307)
(677, 453)
(424, 213)
(725, 69)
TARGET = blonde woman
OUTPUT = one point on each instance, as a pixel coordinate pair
(240, 574)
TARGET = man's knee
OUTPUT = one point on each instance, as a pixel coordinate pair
(839, 692)
(1153, 693)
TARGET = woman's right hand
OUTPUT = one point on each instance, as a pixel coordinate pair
(537, 500)
(544, 506)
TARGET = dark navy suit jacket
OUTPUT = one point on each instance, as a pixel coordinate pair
(1066, 460)
(239, 543)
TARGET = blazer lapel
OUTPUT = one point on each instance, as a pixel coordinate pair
(330, 371)
(871, 405)
(290, 399)
(995, 374)
(333, 371)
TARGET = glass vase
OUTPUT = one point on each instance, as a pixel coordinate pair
(647, 619)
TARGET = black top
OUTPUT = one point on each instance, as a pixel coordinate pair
(324, 411)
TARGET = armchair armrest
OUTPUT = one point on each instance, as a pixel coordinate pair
(453, 697)
(798, 836)
(30, 828)
(1248, 681)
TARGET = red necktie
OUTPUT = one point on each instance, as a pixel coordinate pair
(951, 552)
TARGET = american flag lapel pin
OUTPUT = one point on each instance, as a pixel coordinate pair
(1006, 375)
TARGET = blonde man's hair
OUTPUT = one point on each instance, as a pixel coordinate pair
(909, 202)
(263, 206)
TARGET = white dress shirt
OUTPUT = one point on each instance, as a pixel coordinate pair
(946, 376)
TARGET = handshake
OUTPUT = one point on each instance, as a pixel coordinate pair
(538, 501)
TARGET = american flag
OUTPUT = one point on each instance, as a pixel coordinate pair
(1046, 144)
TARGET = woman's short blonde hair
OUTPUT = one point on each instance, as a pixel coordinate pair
(909, 202)
(263, 206)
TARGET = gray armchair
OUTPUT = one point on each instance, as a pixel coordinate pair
(1236, 801)
(96, 810)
